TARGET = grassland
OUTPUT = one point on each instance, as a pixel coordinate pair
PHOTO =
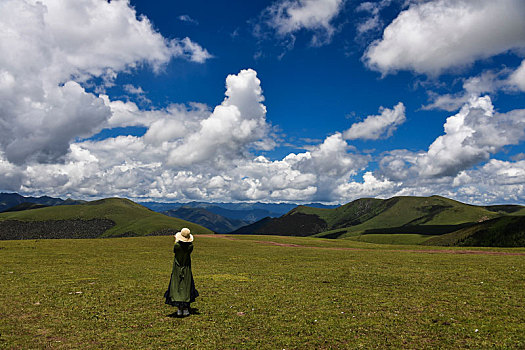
(129, 217)
(107, 293)
(394, 238)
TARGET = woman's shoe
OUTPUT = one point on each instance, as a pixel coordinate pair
(185, 312)
(179, 312)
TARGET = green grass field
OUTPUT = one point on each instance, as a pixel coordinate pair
(107, 293)
(393, 238)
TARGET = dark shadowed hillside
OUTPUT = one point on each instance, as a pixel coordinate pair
(291, 224)
(506, 231)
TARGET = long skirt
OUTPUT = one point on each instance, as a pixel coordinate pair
(181, 304)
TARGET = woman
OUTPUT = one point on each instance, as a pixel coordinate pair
(181, 290)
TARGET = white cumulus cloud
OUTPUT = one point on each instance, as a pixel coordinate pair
(289, 16)
(506, 80)
(48, 49)
(497, 181)
(517, 78)
(432, 36)
(378, 126)
(238, 122)
(194, 152)
(370, 187)
(471, 137)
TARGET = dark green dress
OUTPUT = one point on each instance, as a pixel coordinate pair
(181, 290)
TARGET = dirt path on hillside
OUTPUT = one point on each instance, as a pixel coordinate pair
(429, 251)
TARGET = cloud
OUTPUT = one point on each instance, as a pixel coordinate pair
(194, 152)
(491, 81)
(42, 130)
(370, 187)
(378, 126)
(188, 19)
(471, 137)
(131, 167)
(189, 50)
(262, 179)
(430, 37)
(495, 182)
(374, 22)
(139, 94)
(133, 89)
(125, 114)
(487, 82)
(290, 16)
(12, 176)
(190, 153)
(330, 158)
(48, 49)
(332, 163)
(237, 123)
(137, 167)
(518, 77)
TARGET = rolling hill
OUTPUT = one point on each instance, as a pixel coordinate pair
(112, 217)
(427, 216)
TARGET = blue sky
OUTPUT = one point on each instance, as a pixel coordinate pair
(272, 101)
(310, 92)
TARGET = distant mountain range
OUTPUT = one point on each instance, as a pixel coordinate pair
(10, 200)
(224, 217)
(240, 211)
(206, 218)
(427, 216)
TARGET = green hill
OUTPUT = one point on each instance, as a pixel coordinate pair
(126, 218)
(405, 219)
(507, 209)
(505, 231)
(421, 215)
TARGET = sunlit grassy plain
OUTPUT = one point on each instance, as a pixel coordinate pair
(107, 293)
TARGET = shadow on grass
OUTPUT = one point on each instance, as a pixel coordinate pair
(193, 311)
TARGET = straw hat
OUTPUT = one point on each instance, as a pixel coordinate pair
(184, 235)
